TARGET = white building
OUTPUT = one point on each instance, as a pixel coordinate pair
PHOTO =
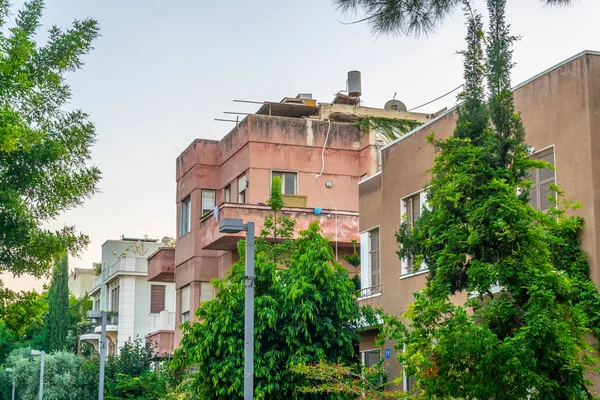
(123, 288)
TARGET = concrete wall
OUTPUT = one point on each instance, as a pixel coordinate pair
(81, 281)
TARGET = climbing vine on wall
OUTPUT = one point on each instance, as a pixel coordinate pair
(389, 128)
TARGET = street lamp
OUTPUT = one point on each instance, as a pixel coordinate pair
(234, 225)
(40, 353)
(13, 389)
(101, 346)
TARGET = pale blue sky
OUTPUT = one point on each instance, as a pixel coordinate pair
(162, 71)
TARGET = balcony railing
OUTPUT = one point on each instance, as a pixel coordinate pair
(128, 264)
(164, 321)
(97, 281)
(370, 296)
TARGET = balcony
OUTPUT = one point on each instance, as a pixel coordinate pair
(162, 333)
(128, 265)
(161, 265)
(211, 239)
(97, 283)
(370, 296)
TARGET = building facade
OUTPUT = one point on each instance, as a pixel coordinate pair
(560, 109)
(81, 281)
(319, 152)
(140, 307)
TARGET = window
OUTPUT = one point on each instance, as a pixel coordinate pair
(207, 292)
(97, 305)
(157, 299)
(185, 303)
(289, 181)
(227, 193)
(114, 299)
(208, 200)
(542, 179)
(412, 206)
(370, 357)
(370, 270)
(242, 185)
(185, 215)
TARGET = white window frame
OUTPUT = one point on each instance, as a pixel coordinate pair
(423, 268)
(536, 156)
(185, 310)
(363, 355)
(243, 179)
(365, 264)
(185, 219)
(283, 172)
(207, 210)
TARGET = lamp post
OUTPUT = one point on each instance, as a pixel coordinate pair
(101, 315)
(40, 353)
(234, 225)
(13, 387)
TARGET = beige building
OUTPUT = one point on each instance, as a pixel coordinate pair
(560, 109)
(81, 281)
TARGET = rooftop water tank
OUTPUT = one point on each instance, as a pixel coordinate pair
(354, 84)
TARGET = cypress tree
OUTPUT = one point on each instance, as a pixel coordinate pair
(57, 319)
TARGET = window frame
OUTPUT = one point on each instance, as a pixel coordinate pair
(537, 186)
(164, 298)
(204, 211)
(242, 192)
(363, 356)
(366, 268)
(227, 193)
(183, 221)
(284, 172)
(185, 315)
(404, 262)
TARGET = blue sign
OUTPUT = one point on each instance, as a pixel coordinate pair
(387, 353)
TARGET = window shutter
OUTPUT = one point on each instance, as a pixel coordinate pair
(242, 183)
(364, 260)
(185, 299)
(157, 299)
(207, 292)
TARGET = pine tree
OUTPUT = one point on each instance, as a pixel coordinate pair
(57, 319)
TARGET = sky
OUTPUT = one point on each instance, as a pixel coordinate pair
(163, 71)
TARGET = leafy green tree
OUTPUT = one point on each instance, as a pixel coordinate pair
(416, 17)
(60, 375)
(57, 319)
(78, 320)
(305, 313)
(522, 333)
(44, 148)
(20, 311)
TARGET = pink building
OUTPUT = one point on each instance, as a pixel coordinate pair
(296, 139)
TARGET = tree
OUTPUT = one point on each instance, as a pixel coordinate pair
(57, 319)
(60, 375)
(522, 332)
(20, 311)
(405, 17)
(44, 148)
(305, 313)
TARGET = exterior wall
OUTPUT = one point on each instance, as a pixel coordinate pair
(81, 281)
(561, 108)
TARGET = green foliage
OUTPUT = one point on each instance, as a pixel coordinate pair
(409, 17)
(277, 228)
(478, 233)
(356, 382)
(78, 322)
(60, 375)
(305, 313)
(354, 258)
(57, 321)
(44, 149)
(18, 311)
(388, 128)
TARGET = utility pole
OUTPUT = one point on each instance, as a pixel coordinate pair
(40, 353)
(233, 225)
(100, 315)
